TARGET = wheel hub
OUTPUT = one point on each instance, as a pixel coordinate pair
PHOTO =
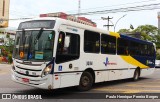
(85, 81)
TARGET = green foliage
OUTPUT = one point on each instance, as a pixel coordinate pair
(124, 31)
(7, 48)
(157, 40)
(7, 36)
(148, 32)
(2, 30)
(9, 58)
(157, 56)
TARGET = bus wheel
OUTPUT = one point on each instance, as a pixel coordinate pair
(136, 75)
(86, 81)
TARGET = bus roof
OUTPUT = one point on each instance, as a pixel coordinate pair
(91, 28)
(71, 23)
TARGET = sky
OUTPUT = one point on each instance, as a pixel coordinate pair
(32, 8)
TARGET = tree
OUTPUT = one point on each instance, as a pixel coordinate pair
(148, 32)
(124, 31)
(9, 44)
(7, 47)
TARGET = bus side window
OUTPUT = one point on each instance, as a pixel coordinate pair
(61, 42)
(68, 47)
(122, 46)
(108, 44)
(91, 42)
(151, 50)
(16, 47)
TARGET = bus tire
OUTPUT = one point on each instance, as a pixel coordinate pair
(86, 81)
(136, 75)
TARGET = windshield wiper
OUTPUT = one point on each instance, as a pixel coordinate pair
(38, 35)
(23, 36)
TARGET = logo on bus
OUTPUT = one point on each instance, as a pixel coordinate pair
(60, 68)
(27, 72)
(149, 62)
(73, 29)
(21, 54)
(89, 63)
(108, 63)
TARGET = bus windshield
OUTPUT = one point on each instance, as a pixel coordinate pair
(34, 45)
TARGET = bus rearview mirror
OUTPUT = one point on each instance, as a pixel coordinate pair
(67, 41)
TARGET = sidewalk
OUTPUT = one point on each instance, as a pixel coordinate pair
(5, 68)
(3, 65)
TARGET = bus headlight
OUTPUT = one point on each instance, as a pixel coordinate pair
(46, 70)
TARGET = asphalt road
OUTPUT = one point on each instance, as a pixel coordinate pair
(148, 84)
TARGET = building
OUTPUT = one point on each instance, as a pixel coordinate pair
(3, 36)
(158, 20)
(4, 13)
(62, 15)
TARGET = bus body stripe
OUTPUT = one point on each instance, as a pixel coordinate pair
(117, 35)
(135, 39)
(133, 61)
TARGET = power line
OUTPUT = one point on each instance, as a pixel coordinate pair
(21, 13)
(117, 5)
(16, 19)
(101, 13)
(79, 6)
(127, 9)
(24, 14)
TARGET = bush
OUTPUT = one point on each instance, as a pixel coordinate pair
(10, 58)
(157, 56)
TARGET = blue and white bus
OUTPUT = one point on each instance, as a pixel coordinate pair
(52, 53)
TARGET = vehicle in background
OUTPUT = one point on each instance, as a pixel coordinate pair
(157, 64)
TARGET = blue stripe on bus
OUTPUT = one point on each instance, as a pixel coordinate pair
(135, 39)
(141, 59)
(145, 60)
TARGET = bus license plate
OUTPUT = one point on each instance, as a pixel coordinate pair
(26, 80)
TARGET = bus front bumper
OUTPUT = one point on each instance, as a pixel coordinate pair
(39, 82)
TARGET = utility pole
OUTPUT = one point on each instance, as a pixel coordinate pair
(108, 19)
(79, 7)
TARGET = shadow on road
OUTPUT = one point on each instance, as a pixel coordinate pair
(117, 82)
(72, 92)
(63, 93)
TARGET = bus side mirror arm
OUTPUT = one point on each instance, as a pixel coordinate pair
(67, 41)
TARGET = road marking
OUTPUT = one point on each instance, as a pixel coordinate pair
(131, 91)
(138, 85)
(149, 82)
(127, 90)
(119, 90)
(137, 91)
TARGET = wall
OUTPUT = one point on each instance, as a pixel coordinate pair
(4, 13)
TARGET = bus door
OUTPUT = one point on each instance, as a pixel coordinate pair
(67, 58)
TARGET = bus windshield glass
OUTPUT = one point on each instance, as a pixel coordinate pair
(34, 45)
